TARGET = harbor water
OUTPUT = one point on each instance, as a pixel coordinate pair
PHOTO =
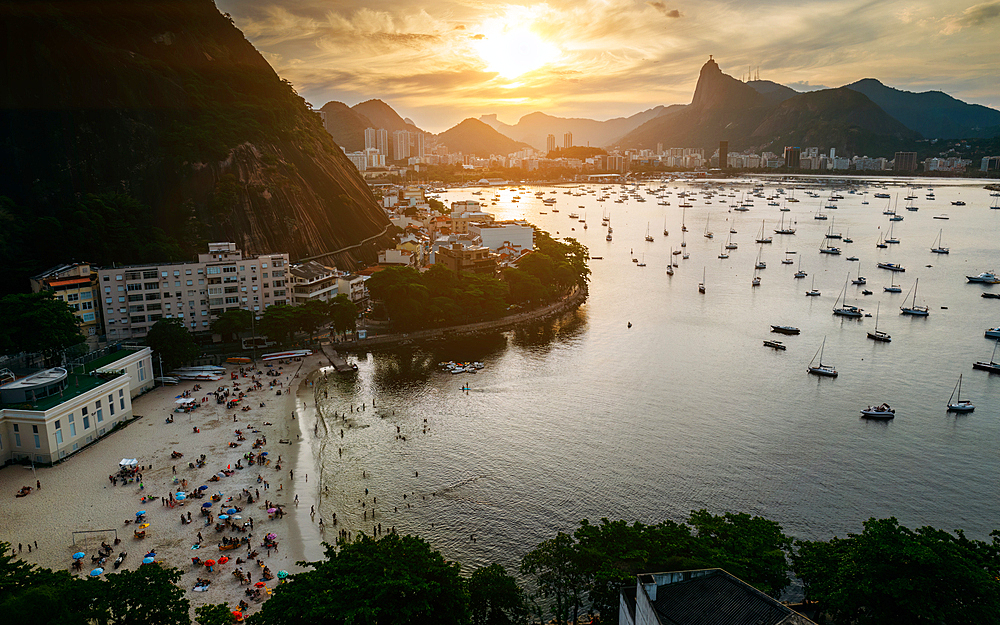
(586, 417)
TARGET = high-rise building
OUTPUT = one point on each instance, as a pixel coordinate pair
(723, 154)
(416, 144)
(370, 138)
(568, 140)
(400, 145)
(550, 143)
(659, 148)
(382, 141)
(905, 161)
(792, 157)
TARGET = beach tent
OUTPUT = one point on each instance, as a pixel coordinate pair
(128, 462)
(185, 400)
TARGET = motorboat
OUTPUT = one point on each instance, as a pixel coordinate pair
(891, 266)
(775, 345)
(785, 329)
(993, 333)
(987, 277)
(878, 412)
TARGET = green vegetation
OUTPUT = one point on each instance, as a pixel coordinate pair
(390, 581)
(886, 574)
(36, 322)
(438, 298)
(171, 341)
(280, 323)
(102, 229)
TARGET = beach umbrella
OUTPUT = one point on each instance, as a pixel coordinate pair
(78, 555)
(282, 574)
(236, 517)
(272, 510)
(223, 517)
(148, 560)
(237, 615)
(263, 453)
(144, 526)
(220, 474)
(271, 536)
(140, 513)
(207, 504)
(203, 487)
(258, 584)
(231, 511)
(96, 572)
(180, 495)
(223, 559)
(209, 563)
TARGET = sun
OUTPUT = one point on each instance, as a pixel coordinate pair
(512, 50)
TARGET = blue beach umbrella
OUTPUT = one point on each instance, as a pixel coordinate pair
(96, 572)
(180, 496)
(148, 560)
(223, 516)
(207, 504)
(231, 511)
(203, 487)
(78, 555)
(140, 513)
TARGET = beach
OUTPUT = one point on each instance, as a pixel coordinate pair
(78, 495)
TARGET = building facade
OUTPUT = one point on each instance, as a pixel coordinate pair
(135, 297)
(905, 161)
(518, 235)
(75, 284)
(467, 259)
(311, 282)
(52, 414)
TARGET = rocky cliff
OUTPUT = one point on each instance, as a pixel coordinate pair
(165, 108)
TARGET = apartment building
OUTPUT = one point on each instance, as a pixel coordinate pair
(135, 297)
(312, 281)
(75, 284)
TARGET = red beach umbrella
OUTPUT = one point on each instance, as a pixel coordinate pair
(260, 584)
(209, 562)
(223, 559)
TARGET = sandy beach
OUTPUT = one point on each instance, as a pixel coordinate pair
(77, 494)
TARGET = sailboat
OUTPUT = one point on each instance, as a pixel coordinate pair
(992, 366)
(892, 288)
(889, 238)
(878, 335)
(760, 236)
(701, 285)
(684, 227)
(913, 308)
(821, 369)
(960, 405)
(813, 291)
(860, 279)
(708, 233)
(830, 234)
(722, 252)
(881, 242)
(642, 263)
(665, 233)
(760, 264)
(937, 249)
(683, 242)
(649, 237)
(844, 310)
(800, 273)
(847, 238)
(782, 229)
(670, 263)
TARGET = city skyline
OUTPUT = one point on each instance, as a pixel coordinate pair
(451, 59)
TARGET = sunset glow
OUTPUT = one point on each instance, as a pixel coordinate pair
(512, 50)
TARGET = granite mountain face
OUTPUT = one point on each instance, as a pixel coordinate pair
(166, 104)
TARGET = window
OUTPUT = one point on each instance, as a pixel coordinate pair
(38, 442)
(142, 370)
(136, 308)
(107, 289)
(100, 415)
(59, 438)
(132, 275)
(72, 429)
(263, 265)
(58, 424)
(88, 317)
(86, 294)
(187, 272)
(17, 428)
(107, 278)
(151, 286)
(135, 298)
(137, 318)
(109, 300)
(135, 286)
(84, 411)
(233, 300)
(190, 283)
(229, 269)
(17, 440)
(72, 297)
(177, 272)
(86, 423)
(34, 429)
(152, 296)
(213, 270)
(149, 273)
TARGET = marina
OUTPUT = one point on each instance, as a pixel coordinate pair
(567, 416)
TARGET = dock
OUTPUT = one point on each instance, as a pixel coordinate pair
(338, 361)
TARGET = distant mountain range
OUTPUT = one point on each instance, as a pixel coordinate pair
(865, 117)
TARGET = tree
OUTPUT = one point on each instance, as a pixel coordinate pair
(311, 315)
(891, 574)
(495, 598)
(233, 322)
(214, 614)
(395, 580)
(343, 314)
(553, 565)
(172, 342)
(36, 322)
(278, 323)
(147, 595)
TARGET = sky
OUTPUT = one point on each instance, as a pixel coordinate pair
(438, 62)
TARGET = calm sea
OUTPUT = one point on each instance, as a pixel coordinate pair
(584, 417)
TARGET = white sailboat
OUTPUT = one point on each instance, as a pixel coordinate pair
(860, 279)
(701, 285)
(708, 233)
(813, 291)
(684, 227)
(665, 233)
(913, 308)
(670, 263)
(800, 273)
(722, 252)
(760, 236)
(938, 249)
(843, 309)
(820, 368)
(649, 237)
(959, 405)
(782, 229)
(878, 335)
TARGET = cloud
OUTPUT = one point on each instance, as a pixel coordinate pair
(805, 85)
(976, 15)
(662, 8)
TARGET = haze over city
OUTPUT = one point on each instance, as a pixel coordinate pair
(442, 61)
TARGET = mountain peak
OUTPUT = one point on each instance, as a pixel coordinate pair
(719, 90)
